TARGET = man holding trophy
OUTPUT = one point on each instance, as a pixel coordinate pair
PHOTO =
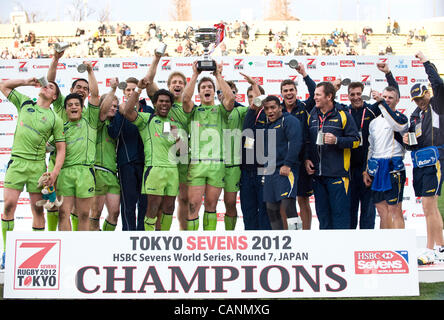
(207, 168)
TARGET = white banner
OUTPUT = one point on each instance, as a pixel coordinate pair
(211, 265)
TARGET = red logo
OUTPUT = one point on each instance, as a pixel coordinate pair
(311, 63)
(258, 80)
(5, 150)
(6, 117)
(381, 262)
(238, 63)
(274, 64)
(165, 64)
(37, 265)
(240, 97)
(61, 66)
(416, 63)
(402, 80)
(347, 63)
(129, 65)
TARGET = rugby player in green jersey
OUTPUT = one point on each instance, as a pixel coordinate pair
(207, 169)
(76, 181)
(160, 136)
(36, 123)
(84, 88)
(232, 153)
(176, 84)
(107, 182)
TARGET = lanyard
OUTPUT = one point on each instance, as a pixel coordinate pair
(321, 120)
(363, 116)
(258, 114)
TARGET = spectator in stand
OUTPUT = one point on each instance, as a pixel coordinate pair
(389, 49)
(389, 25)
(396, 28)
(422, 34)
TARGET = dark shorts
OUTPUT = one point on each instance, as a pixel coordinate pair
(427, 181)
(277, 187)
(305, 183)
(396, 193)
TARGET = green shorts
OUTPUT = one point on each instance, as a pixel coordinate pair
(232, 178)
(183, 172)
(106, 182)
(76, 181)
(161, 181)
(202, 173)
(21, 172)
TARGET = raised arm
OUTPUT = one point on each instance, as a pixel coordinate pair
(152, 86)
(229, 98)
(255, 88)
(93, 85)
(128, 109)
(108, 101)
(7, 86)
(52, 71)
(188, 92)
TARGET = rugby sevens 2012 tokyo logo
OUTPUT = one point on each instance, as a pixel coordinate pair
(37, 265)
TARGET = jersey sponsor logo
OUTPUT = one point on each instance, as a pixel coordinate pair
(381, 262)
(37, 265)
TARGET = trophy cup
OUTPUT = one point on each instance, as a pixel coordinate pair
(61, 46)
(206, 36)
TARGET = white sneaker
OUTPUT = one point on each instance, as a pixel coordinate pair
(439, 254)
(427, 257)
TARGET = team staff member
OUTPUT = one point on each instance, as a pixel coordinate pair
(385, 159)
(281, 172)
(36, 123)
(332, 134)
(427, 121)
(130, 163)
(161, 175)
(176, 84)
(300, 109)
(363, 113)
(251, 193)
(107, 183)
(206, 170)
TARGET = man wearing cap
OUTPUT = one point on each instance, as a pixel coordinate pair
(426, 122)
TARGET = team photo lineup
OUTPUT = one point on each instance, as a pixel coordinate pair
(174, 155)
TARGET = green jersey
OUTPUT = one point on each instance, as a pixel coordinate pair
(177, 114)
(35, 125)
(106, 156)
(59, 107)
(81, 137)
(206, 128)
(158, 146)
(232, 146)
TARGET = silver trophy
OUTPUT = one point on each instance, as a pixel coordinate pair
(206, 36)
(345, 82)
(81, 68)
(366, 93)
(122, 85)
(43, 81)
(412, 138)
(61, 46)
(293, 63)
(161, 49)
(257, 101)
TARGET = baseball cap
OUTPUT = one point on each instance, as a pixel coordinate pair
(418, 91)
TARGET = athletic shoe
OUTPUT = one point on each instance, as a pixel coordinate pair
(427, 257)
(439, 254)
(2, 266)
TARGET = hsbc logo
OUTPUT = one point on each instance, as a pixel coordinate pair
(347, 63)
(416, 64)
(165, 64)
(403, 80)
(274, 64)
(129, 65)
(37, 265)
(238, 64)
(381, 262)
